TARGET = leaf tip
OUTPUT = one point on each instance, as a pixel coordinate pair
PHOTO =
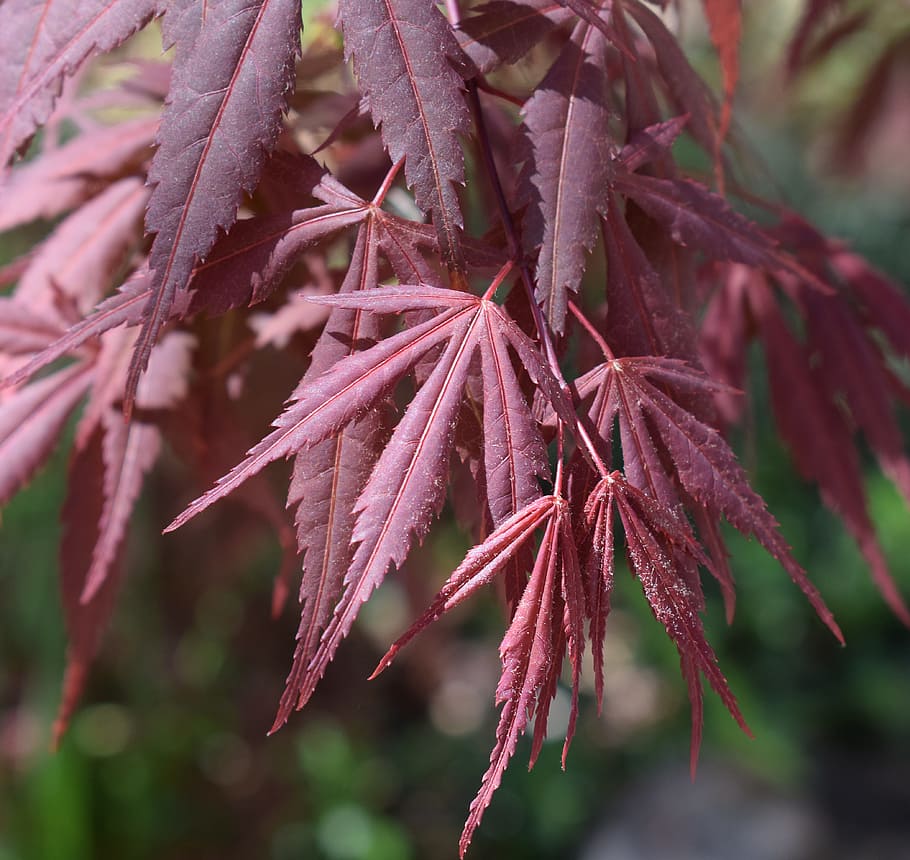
(74, 679)
(834, 627)
(181, 519)
(384, 663)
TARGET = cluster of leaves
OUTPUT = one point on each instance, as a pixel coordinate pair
(583, 411)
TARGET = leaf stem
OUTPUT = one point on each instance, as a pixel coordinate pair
(588, 326)
(483, 86)
(387, 182)
(501, 275)
(560, 459)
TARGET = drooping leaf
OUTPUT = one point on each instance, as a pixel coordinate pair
(526, 659)
(672, 601)
(852, 367)
(704, 465)
(725, 23)
(85, 623)
(883, 304)
(572, 589)
(687, 90)
(65, 177)
(525, 649)
(31, 421)
(78, 259)
(724, 335)
(642, 319)
(130, 450)
(819, 437)
(480, 566)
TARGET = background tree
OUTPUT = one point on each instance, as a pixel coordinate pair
(557, 349)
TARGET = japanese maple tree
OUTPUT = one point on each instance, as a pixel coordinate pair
(576, 357)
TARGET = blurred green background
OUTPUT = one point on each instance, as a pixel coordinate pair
(168, 757)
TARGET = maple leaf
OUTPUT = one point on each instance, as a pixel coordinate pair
(352, 386)
(861, 381)
(404, 491)
(78, 260)
(642, 319)
(659, 545)
(402, 52)
(695, 216)
(650, 143)
(125, 307)
(560, 592)
(84, 623)
(566, 122)
(222, 119)
(107, 468)
(130, 450)
(883, 305)
(513, 453)
(651, 422)
(243, 225)
(247, 265)
(529, 659)
(725, 328)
